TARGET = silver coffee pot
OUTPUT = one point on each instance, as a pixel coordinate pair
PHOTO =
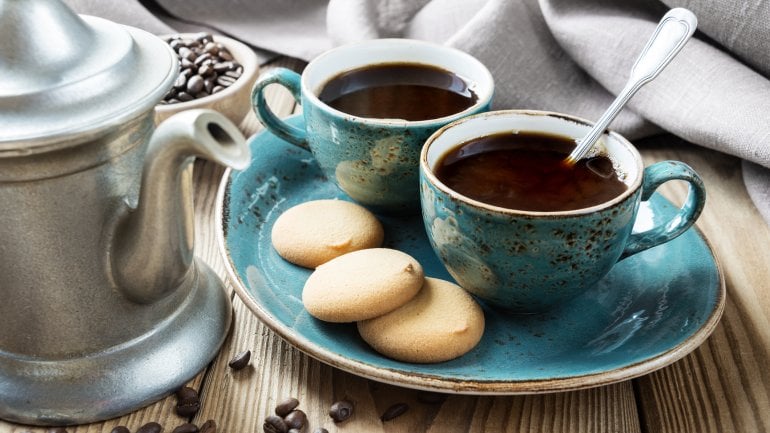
(103, 307)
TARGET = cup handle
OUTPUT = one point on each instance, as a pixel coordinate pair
(290, 80)
(654, 176)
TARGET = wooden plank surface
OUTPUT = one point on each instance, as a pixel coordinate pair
(722, 387)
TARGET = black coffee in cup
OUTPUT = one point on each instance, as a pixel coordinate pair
(409, 91)
(526, 171)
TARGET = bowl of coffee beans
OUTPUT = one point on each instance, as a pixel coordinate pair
(215, 72)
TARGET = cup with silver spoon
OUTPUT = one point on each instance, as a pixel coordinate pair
(507, 216)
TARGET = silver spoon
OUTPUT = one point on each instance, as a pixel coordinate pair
(673, 31)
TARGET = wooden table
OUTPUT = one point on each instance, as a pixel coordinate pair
(723, 386)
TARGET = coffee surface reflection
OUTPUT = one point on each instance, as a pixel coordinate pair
(526, 171)
(409, 91)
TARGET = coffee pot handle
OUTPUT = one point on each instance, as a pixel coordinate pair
(654, 176)
(291, 81)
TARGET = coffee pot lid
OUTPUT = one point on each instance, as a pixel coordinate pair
(64, 76)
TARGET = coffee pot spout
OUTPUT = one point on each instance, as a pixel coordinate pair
(152, 250)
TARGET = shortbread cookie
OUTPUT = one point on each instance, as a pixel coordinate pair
(441, 323)
(315, 232)
(361, 285)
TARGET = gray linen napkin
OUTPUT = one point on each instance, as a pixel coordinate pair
(562, 55)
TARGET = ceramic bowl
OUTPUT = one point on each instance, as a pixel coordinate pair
(235, 101)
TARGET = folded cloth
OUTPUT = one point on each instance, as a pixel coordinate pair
(570, 56)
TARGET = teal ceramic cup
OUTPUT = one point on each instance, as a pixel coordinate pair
(374, 161)
(528, 262)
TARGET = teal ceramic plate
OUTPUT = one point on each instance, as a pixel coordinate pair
(651, 310)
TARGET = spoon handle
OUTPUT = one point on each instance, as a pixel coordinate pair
(673, 31)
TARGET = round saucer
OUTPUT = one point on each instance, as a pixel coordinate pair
(649, 311)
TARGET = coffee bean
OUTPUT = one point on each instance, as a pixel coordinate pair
(341, 410)
(210, 426)
(296, 419)
(240, 361)
(221, 68)
(294, 430)
(394, 411)
(184, 96)
(188, 402)
(150, 427)
(187, 427)
(211, 48)
(201, 59)
(188, 409)
(286, 406)
(194, 84)
(181, 82)
(190, 56)
(186, 393)
(208, 85)
(206, 70)
(431, 397)
(186, 65)
(232, 74)
(275, 424)
(224, 80)
(120, 429)
(320, 430)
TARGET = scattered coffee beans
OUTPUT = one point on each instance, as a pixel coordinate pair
(275, 424)
(285, 407)
(120, 429)
(207, 67)
(394, 411)
(341, 410)
(240, 360)
(186, 428)
(150, 427)
(287, 418)
(187, 402)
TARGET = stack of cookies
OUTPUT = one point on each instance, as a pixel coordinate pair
(398, 311)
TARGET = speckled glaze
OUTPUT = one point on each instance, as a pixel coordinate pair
(374, 161)
(646, 313)
(528, 262)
